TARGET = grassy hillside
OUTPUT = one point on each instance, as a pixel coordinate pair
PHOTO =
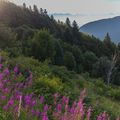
(49, 79)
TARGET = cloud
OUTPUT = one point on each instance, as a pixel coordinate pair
(113, 0)
(75, 6)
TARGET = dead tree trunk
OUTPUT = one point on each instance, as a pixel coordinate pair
(112, 67)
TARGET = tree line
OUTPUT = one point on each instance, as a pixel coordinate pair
(30, 31)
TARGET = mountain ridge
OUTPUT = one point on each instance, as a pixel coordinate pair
(99, 28)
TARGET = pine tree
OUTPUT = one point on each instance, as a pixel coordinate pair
(109, 45)
(68, 22)
(107, 39)
(52, 17)
(75, 26)
(30, 8)
(35, 9)
(69, 61)
(45, 12)
(24, 6)
(41, 11)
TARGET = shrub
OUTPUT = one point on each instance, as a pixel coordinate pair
(114, 93)
(69, 61)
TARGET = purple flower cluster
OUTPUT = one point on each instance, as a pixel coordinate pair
(12, 90)
(14, 99)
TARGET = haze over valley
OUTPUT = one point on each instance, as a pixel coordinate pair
(82, 18)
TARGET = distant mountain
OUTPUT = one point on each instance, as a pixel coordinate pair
(61, 14)
(101, 27)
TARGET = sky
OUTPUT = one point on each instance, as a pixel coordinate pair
(82, 11)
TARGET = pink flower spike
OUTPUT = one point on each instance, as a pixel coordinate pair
(33, 102)
(41, 99)
(10, 102)
(45, 117)
(6, 71)
(5, 107)
(59, 107)
(46, 108)
(1, 85)
(56, 95)
(1, 65)
(89, 113)
(16, 70)
(37, 113)
(5, 91)
(3, 98)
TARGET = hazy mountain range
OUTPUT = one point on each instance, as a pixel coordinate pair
(99, 28)
(82, 18)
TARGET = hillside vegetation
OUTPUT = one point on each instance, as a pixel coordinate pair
(45, 60)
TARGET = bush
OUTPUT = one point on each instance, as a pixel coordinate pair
(7, 37)
(89, 59)
(4, 56)
(43, 45)
(114, 94)
(69, 61)
(26, 63)
(47, 86)
(101, 68)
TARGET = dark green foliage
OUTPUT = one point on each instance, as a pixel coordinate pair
(116, 77)
(89, 59)
(78, 55)
(69, 61)
(43, 45)
(109, 45)
(24, 32)
(68, 23)
(35, 9)
(7, 37)
(68, 36)
(16, 16)
(58, 57)
(64, 74)
(101, 67)
(75, 27)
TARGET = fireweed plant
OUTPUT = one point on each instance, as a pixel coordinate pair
(16, 100)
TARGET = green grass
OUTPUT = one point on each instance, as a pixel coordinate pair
(49, 79)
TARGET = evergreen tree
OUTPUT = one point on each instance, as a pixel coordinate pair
(59, 22)
(7, 37)
(75, 26)
(89, 59)
(69, 61)
(52, 18)
(101, 68)
(68, 22)
(30, 8)
(58, 57)
(118, 46)
(35, 9)
(43, 45)
(41, 11)
(107, 39)
(45, 12)
(109, 46)
(68, 36)
(24, 6)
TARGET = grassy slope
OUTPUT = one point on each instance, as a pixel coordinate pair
(49, 79)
